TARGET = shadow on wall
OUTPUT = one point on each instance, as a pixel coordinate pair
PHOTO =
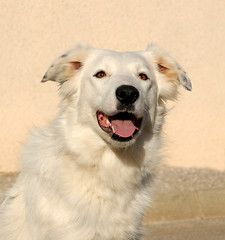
(175, 179)
(168, 179)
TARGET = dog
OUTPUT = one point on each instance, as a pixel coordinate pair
(88, 175)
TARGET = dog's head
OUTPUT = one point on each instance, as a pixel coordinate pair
(117, 94)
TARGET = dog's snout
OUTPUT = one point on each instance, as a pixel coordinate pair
(127, 94)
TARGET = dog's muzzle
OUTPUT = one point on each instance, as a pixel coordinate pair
(124, 125)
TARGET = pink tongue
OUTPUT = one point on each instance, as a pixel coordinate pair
(123, 128)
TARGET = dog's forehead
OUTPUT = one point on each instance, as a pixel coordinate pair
(103, 57)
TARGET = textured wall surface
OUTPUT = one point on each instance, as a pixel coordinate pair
(34, 32)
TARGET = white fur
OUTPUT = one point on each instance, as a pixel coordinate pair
(76, 182)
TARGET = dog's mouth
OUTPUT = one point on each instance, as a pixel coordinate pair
(120, 127)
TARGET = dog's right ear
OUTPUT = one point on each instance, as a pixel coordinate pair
(64, 67)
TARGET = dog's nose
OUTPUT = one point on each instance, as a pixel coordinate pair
(127, 94)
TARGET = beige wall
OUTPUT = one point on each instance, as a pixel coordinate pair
(34, 32)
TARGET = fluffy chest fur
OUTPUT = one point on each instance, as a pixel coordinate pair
(97, 191)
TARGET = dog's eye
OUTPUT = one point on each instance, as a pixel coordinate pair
(100, 74)
(143, 76)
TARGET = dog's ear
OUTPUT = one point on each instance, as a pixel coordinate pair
(64, 67)
(169, 74)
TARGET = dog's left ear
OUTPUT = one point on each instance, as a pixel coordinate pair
(169, 74)
(64, 67)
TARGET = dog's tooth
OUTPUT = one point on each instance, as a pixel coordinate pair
(106, 119)
(113, 129)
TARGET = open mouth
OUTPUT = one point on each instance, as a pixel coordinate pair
(120, 127)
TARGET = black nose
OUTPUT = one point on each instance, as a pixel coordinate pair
(127, 94)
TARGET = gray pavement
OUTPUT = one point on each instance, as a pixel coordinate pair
(205, 229)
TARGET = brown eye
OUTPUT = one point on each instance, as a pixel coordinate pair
(100, 74)
(143, 76)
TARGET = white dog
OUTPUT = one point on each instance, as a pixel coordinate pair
(88, 175)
